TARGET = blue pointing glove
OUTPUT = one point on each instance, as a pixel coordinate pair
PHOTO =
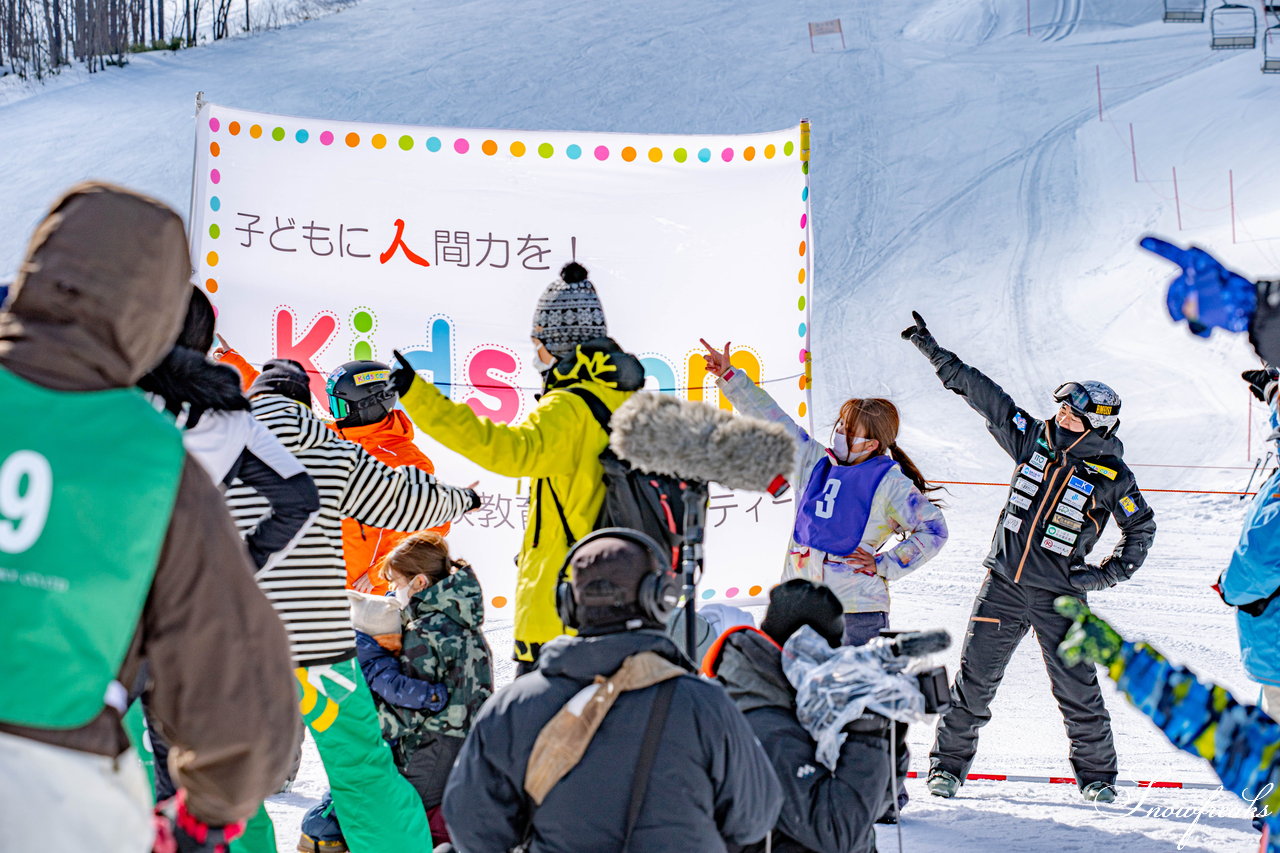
(1207, 295)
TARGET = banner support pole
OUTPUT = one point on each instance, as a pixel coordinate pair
(191, 199)
(808, 276)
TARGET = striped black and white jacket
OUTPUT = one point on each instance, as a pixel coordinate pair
(307, 588)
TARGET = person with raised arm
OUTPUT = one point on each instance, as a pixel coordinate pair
(1068, 479)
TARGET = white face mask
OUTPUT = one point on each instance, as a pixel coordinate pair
(540, 365)
(402, 595)
(850, 451)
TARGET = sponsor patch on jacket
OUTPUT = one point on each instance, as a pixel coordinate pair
(1019, 421)
(1012, 522)
(1058, 533)
(1039, 460)
(372, 376)
(1032, 474)
(1055, 546)
(1026, 486)
(1080, 485)
(1070, 512)
(1075, 499)
(1128, 505)
(1020, 501)
(1069, 523)
(1109, 473)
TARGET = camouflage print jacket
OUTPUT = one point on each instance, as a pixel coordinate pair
(443, 642)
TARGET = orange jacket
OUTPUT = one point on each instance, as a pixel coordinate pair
(391, 441)
(364, 547)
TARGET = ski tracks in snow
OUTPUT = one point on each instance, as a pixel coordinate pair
(1065, 21)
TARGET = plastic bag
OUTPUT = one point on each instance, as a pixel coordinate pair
(834, 687)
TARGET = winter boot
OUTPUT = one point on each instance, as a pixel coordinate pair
(1099, 792)
(942, 784)
(321, 832)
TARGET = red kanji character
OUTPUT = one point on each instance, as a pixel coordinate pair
(408, 253)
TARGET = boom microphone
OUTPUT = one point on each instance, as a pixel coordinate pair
(695, 441)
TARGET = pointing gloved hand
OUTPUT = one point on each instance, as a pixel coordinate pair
(1207, 295)
(403, 374)
(1262, 383)
(1090, 639)
(918, 333)
(916, 328)
(474, 497)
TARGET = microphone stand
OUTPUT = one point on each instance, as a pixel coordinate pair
(695, 519)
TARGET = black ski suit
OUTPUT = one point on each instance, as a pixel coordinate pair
(822, 811)
(1064, 486)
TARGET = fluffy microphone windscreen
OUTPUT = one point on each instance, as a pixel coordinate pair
(697, 441)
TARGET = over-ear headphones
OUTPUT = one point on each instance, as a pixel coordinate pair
(657, 593)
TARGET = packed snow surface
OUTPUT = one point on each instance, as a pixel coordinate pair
(990, 170)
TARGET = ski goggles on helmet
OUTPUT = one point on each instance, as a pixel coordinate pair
(338, 407)
(1076, 396)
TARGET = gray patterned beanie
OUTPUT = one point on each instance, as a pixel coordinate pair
(568, 312)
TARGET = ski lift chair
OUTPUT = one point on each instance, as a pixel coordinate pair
(1184, 11)
(1271, 50)
(1233, 27)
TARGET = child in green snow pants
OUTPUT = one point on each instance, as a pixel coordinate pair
(381, 812)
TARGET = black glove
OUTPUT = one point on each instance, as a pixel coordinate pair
(1112, 571)
(403, 375)
(918, 328)
(476, 500)
(920, 336)
(1262, 383)
(1086, 578)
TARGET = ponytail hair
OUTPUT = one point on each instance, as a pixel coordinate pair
(913, 474)
(877, 418)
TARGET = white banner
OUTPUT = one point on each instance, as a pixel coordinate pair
(327, 241)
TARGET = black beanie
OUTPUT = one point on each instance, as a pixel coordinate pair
(799, 602)
(285, 377)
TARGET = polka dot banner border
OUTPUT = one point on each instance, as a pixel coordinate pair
(471, 145)
(802, 276)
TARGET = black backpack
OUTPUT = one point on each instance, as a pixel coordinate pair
(650, 503)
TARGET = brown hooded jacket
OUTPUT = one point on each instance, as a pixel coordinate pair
(98, 302)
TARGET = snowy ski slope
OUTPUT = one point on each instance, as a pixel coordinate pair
(960, 168)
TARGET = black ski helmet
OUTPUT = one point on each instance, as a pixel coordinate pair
(361, 393)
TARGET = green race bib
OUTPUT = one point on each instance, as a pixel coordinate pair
(87, 485)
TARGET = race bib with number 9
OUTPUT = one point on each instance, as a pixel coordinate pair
(26, 491)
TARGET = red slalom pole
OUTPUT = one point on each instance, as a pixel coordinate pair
(1133, 150)
(1097, 70)
(1177, 201)
(1231, 186)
